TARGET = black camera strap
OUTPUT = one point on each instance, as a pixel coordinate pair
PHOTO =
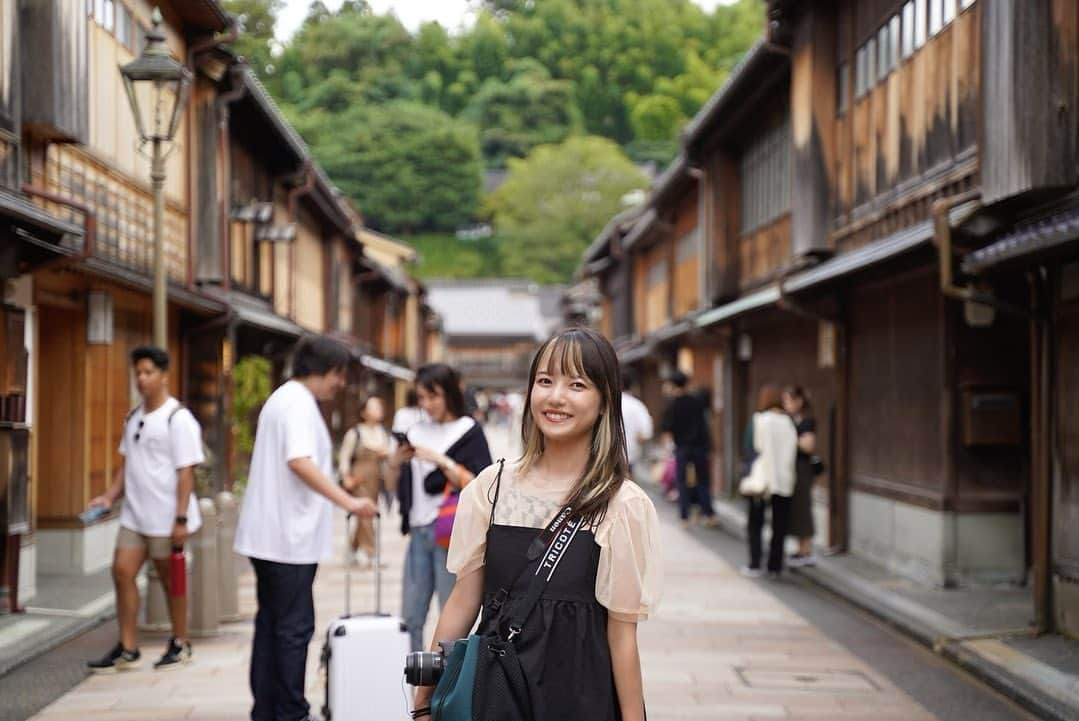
(551, 544)
(562, 532)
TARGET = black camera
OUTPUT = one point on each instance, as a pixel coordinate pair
(424, 668)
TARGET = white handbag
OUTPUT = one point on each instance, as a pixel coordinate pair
(755, 484)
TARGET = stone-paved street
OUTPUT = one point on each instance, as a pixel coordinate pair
(721, 647)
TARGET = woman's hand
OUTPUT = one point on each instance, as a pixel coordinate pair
(404, 453)
(426, 454)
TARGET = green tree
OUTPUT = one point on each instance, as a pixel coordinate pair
(656, 117)
(256, 38)
(555, 201)
(515, 116)
(410, 167)
(251, 386)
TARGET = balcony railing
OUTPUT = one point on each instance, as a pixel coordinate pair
(123, 212)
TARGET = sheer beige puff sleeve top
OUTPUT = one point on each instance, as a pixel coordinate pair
(629, 581)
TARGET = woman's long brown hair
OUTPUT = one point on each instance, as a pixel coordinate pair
(583, 352)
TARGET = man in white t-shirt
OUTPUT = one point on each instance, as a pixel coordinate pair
(286, 524)
(160, 447)
(638, 424)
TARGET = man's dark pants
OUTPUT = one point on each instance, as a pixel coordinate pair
(698, 458)
(284, 625)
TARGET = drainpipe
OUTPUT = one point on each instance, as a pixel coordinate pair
(231, 33)
(301, 188)
(942, 234)
(1042, 452)
(1041, 417)
(225, 149)
(89, 222)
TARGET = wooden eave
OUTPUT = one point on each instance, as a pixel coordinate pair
(746, 88)
(207, 15)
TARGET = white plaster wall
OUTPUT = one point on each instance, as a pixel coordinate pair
(990, 547)
(935, 547)
(27, 573)
(79, 551)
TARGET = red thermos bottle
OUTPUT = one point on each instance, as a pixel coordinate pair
(177, 573)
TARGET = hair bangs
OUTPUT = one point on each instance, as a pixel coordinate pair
(562, 355)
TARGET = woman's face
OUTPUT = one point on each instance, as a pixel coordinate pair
(792, 404)
(564, 406)
(373, 411)
(433, 400)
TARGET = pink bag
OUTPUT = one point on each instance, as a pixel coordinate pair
(446, 513)
(669, 472)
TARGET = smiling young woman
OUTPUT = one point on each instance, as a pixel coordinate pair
(577, 648)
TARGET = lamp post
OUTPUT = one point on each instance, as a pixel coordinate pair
(157, 86)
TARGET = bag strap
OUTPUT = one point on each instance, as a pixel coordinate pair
(562, 531)
(497, 486)
(545, 537)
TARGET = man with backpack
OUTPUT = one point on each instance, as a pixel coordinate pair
(160, 448)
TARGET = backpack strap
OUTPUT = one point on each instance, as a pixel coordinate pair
(179, 407)
(131, 414)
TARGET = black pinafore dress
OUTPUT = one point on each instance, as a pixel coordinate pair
(563, 646)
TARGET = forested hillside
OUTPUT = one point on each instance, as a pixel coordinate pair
(407, 124)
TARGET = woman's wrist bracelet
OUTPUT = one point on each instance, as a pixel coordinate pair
(421, 712)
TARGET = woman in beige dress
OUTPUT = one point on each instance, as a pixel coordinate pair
(364, 459)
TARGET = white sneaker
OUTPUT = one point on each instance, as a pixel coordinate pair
(750, 572)
(801, 561)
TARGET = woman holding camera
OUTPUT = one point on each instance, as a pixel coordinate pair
(577, 645)
(439, 456)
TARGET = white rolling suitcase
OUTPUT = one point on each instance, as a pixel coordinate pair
(363, 658)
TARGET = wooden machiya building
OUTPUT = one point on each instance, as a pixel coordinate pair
(260, 250)
(886, 200)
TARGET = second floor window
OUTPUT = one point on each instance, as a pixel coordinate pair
(765, 174)
(105, 14)
(908, 29)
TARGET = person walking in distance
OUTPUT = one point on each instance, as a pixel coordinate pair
(286, 524)
(685, 422)
(577, 647)
(796, 404)
(638, 425)
(443, 454)
(363, 463)
(774, 444)
(159, 450)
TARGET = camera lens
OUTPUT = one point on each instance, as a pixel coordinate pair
(424, 668)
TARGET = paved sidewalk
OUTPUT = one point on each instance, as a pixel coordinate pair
(986, 631)
(721, 647)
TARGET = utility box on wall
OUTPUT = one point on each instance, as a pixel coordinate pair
(990, 417)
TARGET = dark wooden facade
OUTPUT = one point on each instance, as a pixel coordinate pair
(899, 117)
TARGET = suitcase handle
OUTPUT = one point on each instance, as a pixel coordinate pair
(378, 567)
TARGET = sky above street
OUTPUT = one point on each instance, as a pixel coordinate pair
(451, 13)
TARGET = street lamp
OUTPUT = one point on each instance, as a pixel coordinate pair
(157, 86)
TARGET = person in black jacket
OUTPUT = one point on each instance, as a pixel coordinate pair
(444, 453)
(685, 421)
